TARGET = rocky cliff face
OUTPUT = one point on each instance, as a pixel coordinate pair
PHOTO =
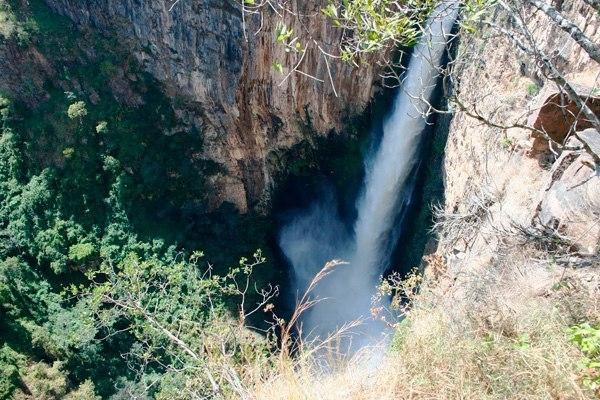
(209, 54)
(516, 212)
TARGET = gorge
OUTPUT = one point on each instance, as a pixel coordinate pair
(148, 148)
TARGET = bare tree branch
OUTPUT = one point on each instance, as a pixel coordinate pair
(135, 306)
(552, 72)
(595, 4)
(586, 44)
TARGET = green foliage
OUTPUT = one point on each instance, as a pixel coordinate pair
(385, 25)
(11, 160)
(283, 35)
(85, 180)
(175, 313)
(8, 22)
(282, 32)
(85, 391)
(38, 380)
(11, 27)
(4, 109)
(34, 310)
(532, 89)
(377, 25)
(102, 127)
(403, 290)
(46, 381)
(77, 110)
(474, 11)
(9, 372)
(587, 339)
(507, 142)
(23, 292)
(401, 330)
(68, 152)
(81, 251)
(523, 341)
(277, 67)
(68, 334)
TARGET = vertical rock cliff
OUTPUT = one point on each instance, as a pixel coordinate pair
(512, 217)
(219, 61)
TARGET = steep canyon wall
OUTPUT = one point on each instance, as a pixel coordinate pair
(247, 113)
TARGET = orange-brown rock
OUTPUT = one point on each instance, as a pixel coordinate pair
(559, 117)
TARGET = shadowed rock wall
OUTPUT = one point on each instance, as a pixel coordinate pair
(208, 52)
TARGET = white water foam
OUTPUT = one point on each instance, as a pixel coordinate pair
(317, 235)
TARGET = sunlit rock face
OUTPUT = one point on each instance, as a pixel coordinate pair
(208, 54)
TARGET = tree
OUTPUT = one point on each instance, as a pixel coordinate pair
(177, 314)
(77, 110)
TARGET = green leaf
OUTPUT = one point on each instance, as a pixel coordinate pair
(282, 32)
(331, 11)
(277, 66)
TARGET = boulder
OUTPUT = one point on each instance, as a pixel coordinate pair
(559, 117)
(570, 202)
(591, 140)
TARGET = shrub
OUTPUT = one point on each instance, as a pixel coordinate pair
(77, 110)
(587, 339)
(533, 89)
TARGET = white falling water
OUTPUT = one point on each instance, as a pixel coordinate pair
(317, 236)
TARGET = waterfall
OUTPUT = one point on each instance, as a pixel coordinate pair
(317, 235)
